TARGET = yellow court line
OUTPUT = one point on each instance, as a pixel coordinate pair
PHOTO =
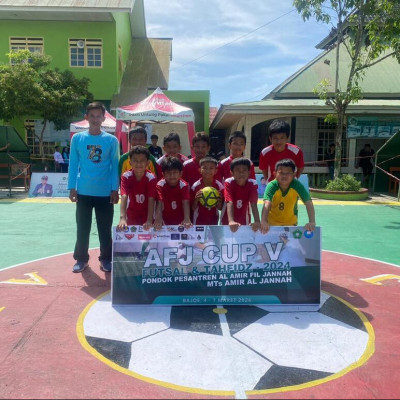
(65, 200)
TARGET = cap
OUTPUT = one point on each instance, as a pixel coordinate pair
(45, 177)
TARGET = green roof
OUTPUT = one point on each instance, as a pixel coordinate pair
(381, 80)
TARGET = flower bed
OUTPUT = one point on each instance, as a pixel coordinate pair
(361, 194)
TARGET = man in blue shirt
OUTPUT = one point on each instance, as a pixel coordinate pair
(93, 184)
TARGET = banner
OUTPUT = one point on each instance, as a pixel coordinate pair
(372, 127)
(206, 265)
(49, 184)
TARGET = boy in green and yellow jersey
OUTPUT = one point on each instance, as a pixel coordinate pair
(281, 196)
(137, 137)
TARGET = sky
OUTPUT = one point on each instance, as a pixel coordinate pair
(239, 50)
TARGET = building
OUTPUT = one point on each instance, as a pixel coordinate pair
(103, 40)
(374, 119)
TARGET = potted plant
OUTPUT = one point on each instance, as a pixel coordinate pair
(345, 187)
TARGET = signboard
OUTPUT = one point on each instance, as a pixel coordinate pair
(206, 265)
(54, 186)
(372, 127)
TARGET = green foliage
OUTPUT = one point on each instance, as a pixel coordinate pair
(369, 30)
(28, 86)
(344, 183)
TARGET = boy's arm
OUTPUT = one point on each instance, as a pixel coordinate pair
(150, 214)
(158, 220)
(233, 225)
(255, 226)
(311, 215)
(186, 214)
(122, 219)
(264, 216)
(299, 172)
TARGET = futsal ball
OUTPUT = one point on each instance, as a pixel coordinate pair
(209, 197)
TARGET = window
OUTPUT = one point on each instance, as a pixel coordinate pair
(33, 142)
(86, 53)
(326, 136)
(34, 45)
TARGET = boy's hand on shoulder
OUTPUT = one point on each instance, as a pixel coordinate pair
(310, 226)
(264, 227)
(234, 226)
(255, 226)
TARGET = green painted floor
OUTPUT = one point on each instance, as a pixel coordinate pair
(33, 230)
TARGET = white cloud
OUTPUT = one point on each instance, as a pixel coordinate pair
(209, 51)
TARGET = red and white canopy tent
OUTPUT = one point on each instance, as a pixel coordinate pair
(109, 125)
(156, 108)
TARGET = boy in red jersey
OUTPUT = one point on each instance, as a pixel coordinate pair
(172, 148)
(236, 145)
(173, 197)
(201, 214)
(139, 185)
(191, 167)
(279, 149)
(241, 195)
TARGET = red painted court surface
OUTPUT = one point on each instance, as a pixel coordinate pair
(47, 350)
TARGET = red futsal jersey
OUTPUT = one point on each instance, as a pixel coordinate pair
(269, 157)
(203, 215)
(160, 160)
(191, 171)
(172, 198)
(224, 169)
(241, 197)
(138, 193)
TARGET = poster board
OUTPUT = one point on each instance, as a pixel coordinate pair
(206, 265)
(57, 183)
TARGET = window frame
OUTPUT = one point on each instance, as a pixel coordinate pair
(90, 56)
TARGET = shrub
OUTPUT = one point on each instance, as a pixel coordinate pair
(344, 183)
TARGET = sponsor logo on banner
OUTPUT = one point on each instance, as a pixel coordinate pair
(133, 229)
(297, 234)
(175, 236)
(144, 237)
(308, 234)
(184, 236)
(118, 237)
(181, 228)
(129, 236)
(200, 228)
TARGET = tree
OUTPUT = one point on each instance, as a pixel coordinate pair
(28, 86)
(369, 31)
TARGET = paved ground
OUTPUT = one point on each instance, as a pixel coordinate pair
(48, 316)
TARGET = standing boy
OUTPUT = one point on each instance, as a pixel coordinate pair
(137, 137)
(279, 149)
(93, 184)
(365, 162)
(191, 167)
(237, 146)
(203, 215)
(156, 151)
(173, 197)
(139, 185)
(172, 148)
(241, 195)
(281, 197)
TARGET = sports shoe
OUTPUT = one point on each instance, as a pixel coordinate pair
(80, 266)
(105, 265)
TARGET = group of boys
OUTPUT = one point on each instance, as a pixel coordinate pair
(168, 191)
